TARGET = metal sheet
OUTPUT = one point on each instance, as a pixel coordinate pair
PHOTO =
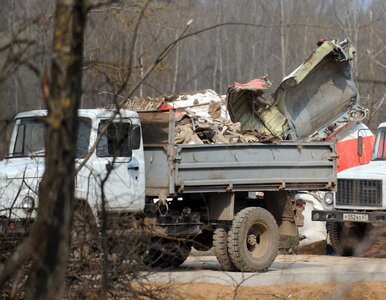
(310, 99)
(155, 127)
(244, 167)
(319, 91)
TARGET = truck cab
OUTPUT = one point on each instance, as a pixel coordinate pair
(348, 156)
(358, 207)
(103, 147)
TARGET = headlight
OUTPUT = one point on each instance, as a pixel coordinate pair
(28, 204)
(329, 198)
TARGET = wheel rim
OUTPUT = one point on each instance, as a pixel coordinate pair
(258, 240)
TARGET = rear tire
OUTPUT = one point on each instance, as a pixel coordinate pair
(253, 240)
(164, 253)
(204, 241)
(85, 241)
(220, 247)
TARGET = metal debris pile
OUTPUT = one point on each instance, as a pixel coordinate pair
(201, 118)
(138, 104)
(195, 129)
(204, 119)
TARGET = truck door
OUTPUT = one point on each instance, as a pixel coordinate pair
(119, 168)
(347, 146)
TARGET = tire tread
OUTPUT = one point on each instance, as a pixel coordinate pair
(220, 247)
(235, 244)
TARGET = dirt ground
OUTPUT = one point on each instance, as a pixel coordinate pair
(345, 291)
(369, 290)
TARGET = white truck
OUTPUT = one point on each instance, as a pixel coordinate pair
(356, 213)
(348, 157)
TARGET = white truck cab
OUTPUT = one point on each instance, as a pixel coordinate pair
(359, 204)
(118, 151)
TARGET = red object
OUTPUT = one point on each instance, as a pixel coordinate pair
(165, 106)
(321, 41)
(254, 84)
(347, 147)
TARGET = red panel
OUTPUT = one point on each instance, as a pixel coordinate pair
(254, 84)
(348, 155)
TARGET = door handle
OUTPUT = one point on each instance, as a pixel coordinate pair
(109, 166)
(133, 168)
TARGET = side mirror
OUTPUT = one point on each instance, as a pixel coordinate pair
(135, 137)
(360, 145)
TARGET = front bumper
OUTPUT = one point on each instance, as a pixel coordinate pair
(348, 216)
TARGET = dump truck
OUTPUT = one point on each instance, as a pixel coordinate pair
(178, 192)
(235, 197)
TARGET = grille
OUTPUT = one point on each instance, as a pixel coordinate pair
(359, 192)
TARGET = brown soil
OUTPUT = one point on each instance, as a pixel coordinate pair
(318, 248)
(339, 291)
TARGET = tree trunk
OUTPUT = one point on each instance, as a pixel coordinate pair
(56, 191)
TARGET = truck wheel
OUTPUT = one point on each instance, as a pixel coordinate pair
(334, 230)
(167, 253)
(220, 247)
(346, 241)
(84, 240)
(253, 240)
(204, 241)
(6, 249)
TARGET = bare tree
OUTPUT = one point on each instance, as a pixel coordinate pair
(49, 239)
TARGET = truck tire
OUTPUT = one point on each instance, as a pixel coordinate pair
(253, 240)
(347, 241)
(166, 253)
(204, 241)
(334, 231)
(6, 250)
(85, 241)
(220, 247)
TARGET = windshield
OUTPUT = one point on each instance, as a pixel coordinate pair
(379, 152)
(30, 137)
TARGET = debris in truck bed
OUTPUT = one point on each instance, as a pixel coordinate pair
(193, 129)
(247, 105)
(202, 118)
(312, 103)
(205, 104)
(206, 121)
(139, 104)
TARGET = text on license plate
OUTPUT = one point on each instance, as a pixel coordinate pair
(356, 217)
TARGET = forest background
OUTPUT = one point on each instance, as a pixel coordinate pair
(250, 38)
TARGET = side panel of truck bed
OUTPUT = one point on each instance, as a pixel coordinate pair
(240, 167)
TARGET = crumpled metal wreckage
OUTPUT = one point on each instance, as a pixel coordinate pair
(315, 101)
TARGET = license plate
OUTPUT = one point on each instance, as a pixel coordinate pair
(356, 217)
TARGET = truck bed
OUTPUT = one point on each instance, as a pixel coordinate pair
(184, 168)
